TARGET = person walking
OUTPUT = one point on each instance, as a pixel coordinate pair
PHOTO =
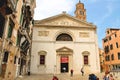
(92, 77)
(82, 71)
(55, 78)
(106, 76)
(71, 71)
(111, 77)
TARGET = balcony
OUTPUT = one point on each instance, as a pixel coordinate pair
(23, 31)
(25, 46)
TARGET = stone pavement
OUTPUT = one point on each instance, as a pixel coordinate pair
(63, 76)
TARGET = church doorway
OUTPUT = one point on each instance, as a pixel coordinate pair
(64, 60)
(64, 64)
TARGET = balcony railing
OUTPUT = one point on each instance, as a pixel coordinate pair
(23, 31)
(116, 72)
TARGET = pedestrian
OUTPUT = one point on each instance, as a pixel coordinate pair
(106, 76)
(97, 78)
(111, 77)
(82, 71)
(55, 78)
(93, 77)
(71, 71)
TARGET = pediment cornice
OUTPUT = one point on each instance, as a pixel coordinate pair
(63, 20)
(64, 49)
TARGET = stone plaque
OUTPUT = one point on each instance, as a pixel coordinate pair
(84, 34)
(43, 33)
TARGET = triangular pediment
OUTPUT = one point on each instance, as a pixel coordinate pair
(64, 49)
(64, 20)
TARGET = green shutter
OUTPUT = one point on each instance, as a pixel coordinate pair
(21, 19)
(18, 40)
(10, 29)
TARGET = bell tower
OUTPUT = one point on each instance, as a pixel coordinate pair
(80, 11)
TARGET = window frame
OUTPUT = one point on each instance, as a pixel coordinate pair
(41, 54)
(42, 60)
(117, 45)
(86, 54)
(115, 35)
(6, 56)
(118, 55)
(86, 61)
(10, 29)
(112, 57)
(110, 37)
(111, 46)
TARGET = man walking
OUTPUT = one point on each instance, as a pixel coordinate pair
(82, 71)
(71, 71)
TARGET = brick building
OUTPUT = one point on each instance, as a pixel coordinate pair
(111, 45)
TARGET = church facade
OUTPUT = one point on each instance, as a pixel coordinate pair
(63, 42)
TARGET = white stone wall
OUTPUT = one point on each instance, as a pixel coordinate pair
(47, 42)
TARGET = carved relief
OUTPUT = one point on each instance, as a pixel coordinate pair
(43, 33)
(84, 34)
(64, 22)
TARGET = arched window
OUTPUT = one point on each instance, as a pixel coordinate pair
(64, 37)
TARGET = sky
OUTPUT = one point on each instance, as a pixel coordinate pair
(103, 13)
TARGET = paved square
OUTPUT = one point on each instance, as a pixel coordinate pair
(63, 76)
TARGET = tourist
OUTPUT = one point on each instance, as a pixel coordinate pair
(93, 77)
(71, 71)
(82, 71)
(106, 76)
(55, 78)
(111, 77)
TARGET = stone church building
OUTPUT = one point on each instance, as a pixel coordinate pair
(64, 42)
